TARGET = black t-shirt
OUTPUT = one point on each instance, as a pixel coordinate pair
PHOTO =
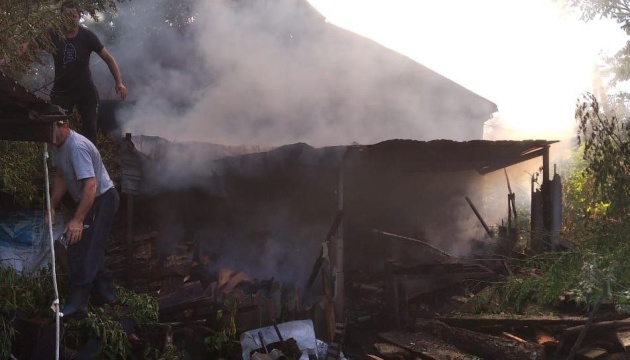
(72, 60)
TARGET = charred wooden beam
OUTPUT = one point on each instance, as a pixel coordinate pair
(320, 258)
(483, 222)
(546, 199)
(483, 345)
(516, 321)
(424, 345)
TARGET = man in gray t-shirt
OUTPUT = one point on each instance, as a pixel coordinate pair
(81, 173)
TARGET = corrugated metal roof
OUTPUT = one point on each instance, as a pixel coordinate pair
(446, 155)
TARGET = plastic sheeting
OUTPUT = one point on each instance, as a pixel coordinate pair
(24, 243)
(300, 330)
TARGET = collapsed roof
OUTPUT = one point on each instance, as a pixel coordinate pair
(175, 165)
(482, 156)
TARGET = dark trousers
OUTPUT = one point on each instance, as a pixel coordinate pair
(86, 257)
(86, 101)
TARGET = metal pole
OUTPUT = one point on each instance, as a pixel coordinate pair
(130, 232)
(55, 304)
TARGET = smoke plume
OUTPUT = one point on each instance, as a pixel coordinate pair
(273, 73)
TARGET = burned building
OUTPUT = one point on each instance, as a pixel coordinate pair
(358, 211)
(225, 217)
(215, 212)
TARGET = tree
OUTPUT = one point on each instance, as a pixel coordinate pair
(606, 140)
(618, 10)
(604, 130)
(29, 22)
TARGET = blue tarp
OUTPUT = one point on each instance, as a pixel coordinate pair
(24, 243)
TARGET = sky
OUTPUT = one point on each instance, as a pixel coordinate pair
(529, 57)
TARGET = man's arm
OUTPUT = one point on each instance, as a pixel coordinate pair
(75, 226)
(115, 70)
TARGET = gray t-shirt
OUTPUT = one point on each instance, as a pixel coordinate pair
(77, 159)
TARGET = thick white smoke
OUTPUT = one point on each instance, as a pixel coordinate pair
(273, 73)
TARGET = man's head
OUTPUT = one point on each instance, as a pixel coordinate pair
(61, 130)
(69, 8)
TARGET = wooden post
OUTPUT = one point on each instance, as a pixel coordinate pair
(546, 194)
(130, 231)
(339, 262)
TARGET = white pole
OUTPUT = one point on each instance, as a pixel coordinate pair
(55, 304)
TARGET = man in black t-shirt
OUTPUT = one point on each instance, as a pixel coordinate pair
(73, 85)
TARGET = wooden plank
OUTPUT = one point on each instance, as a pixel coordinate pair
(388, 351)
(482, 345)
(592, 353)
(425, 345)
(509, 321)
(623, 336)
(185, 294)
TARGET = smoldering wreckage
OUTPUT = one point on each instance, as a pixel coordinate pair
(325, 250)
(349, 251)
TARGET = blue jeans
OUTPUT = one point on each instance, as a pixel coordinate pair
(87, 256)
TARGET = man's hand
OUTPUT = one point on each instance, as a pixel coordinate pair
(121, 90)
(73, 231)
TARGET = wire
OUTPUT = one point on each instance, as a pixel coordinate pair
(55, 304)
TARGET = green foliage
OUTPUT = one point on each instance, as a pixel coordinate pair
(32, 294)
(590, 271)
(22, 173)
(594, 220)
(221, 341)
(31, 22)
(29, 295)
(541, 282)
(170, 352)
(21, 170)
(581, 203)
(141, 308)
(482, 300)
(612, 9)
(619, 11)
(102, 323)
(596, 268)
(24, 23)
(7, 333)
(606, 152)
